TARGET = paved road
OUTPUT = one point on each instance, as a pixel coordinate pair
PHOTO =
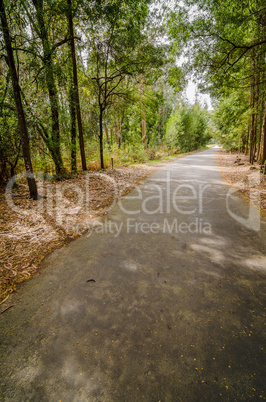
(175, 314)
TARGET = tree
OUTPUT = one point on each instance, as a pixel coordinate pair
(118, 49)
(19, 107)
(41, 29)
(72, 109)
(262, 156)
(226, 43)
(187, 128)
(75, 86)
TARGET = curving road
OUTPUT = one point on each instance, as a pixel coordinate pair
(176, 312)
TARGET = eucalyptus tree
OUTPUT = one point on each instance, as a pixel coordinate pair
(117, 49)
(39, 17)
(18, 102)
(75, 110)
(225, 44)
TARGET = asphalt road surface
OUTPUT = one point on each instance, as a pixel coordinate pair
(176, 310)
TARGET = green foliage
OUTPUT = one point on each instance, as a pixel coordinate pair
(224, 43)
(230, 119)
(187, 128)
(125, 70)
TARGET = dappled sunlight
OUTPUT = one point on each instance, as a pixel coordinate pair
(218, 241)
(201, 167)
(71, 308)
(215, 255)
(73, 376)
(256, 263)
(130, 266)
(27, 375)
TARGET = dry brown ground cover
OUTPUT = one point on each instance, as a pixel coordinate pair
(29, 230)
(244, 177)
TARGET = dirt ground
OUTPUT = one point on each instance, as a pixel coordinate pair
(247, 179)
(30, 230)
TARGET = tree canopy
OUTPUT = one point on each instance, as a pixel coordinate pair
(107, 75)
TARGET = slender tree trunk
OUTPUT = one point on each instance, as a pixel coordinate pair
(163, 123)
(76, 89)
(247, 140)
(252, 126)
(117, 131)
(261, 101)
(121, 127)
(262, 157)
(73, 129)
(51, 85)
(101, 137)
(120, 135)
(107, 135)
(111, 131)
(254, 105)
(19, 107)
(143, 115)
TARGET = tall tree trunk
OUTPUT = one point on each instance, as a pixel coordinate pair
(19, 107)
(252, 125)
(107, 135)
(76, 89)
(121, 127)
(261, 102)
(101, 136)
(143, 116)
(262, 157)
(163, 123)
(254, 105)
(51, 85)
(111, 131)
(117, 131)
(73, 129)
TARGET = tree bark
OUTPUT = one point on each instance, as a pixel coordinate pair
(73, 128)
(101, 136)
(143, 116)
(252, 126)
(107, 135)
(254, 105)
(72, 109)
(19, 107)
(51, 86)
(117, 130)
(262, 157)
(76, 89)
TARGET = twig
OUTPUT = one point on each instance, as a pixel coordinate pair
(5, 299)
(12, 305)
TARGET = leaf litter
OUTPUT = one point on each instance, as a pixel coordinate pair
(64, 212)
(243, 176)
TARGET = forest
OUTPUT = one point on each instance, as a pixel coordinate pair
(86, 83)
